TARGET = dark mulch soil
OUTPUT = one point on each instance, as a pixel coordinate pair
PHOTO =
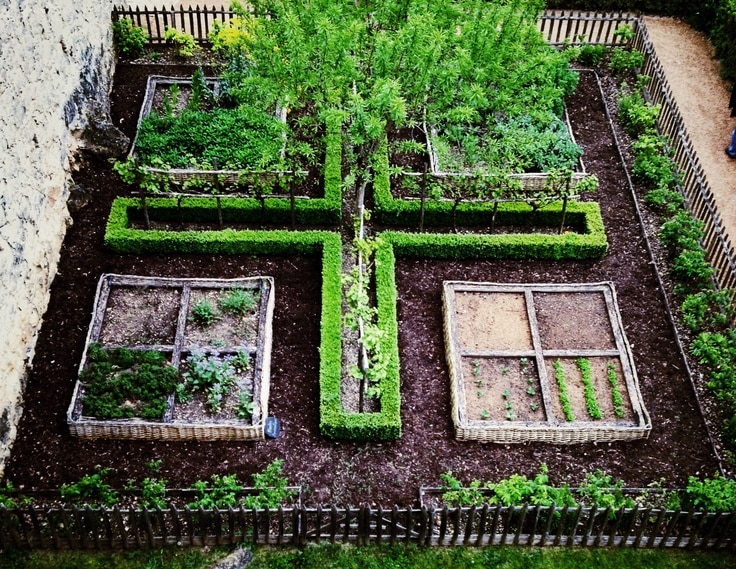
(45, 455)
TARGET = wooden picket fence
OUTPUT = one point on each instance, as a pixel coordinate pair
(557, 26)
(87, 528)
(694, 184)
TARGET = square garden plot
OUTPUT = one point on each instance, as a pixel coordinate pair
(176, 359)
(540, 362)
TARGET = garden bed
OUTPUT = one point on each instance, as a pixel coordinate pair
(226, 181)
(540, 362)
(218, 329)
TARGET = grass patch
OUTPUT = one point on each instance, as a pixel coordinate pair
(349, 557)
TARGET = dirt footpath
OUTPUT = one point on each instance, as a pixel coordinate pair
(702, 97)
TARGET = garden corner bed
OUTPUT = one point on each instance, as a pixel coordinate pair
(176, 359)
(541, 362)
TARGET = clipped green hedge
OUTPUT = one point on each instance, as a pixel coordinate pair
(589, 243)
(335, 422)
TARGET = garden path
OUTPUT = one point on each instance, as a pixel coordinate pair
(702, 97)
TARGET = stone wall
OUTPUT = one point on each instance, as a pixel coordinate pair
(56, 64)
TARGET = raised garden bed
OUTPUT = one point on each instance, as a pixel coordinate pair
(190, 178)
(540, 362)
(197, 326)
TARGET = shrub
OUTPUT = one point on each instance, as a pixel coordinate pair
(591, 54)
(126, 383)
(186, 46)
(90, 489)
(717, 494)
(636, 115)
(271, 488)
(130, 40)
(625, 61)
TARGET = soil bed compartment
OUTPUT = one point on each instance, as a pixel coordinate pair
(150, 313)
(540, 362)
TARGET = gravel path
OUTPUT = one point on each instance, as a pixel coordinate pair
(702, 97)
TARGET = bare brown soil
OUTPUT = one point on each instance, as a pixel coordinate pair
(45, 455)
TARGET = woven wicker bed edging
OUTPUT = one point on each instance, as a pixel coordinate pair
(168, 429)
(550, 430)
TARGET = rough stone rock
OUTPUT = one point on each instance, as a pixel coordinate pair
(238, 559)
(101, 136)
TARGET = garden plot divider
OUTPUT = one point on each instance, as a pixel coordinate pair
(183, 340)
(88, 528)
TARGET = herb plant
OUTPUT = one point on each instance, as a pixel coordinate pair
(562, 386)
(127, 383)
(239, 301)
(203, 314)
(90, 489)
(212, 374)
(588, 388)
(130, 40)
(618, 402)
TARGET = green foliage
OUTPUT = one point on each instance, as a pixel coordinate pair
(212, 374)
(562, 388)
(591, 402)
(708, 310)
(637, 116)
(625, 61)
(665, 201)
(222, 492)
(682, 232)
(126, 383)
(184, 41)
(271, 488)
(239, 301)
(618, 402)
(717, 494)
(153, 492)
(242, 138)
(721, 35)
(130, 40)
(201, 92)
(90, 489)
(9, 498)
(455, 494)
(203, 314)
(591, 54)
(517, 490)
(653, 165)
(601, 490)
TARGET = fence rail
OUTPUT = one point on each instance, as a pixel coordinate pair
(557, 26)
(89, 528)
(695, 188)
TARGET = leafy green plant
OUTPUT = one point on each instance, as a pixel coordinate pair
(625, 61)
(591, 403)
(665, 200)
(130, 40)
(123, 383)
(517, 489)
(203, 314)
(562, 388)
(245, 406)
(636, 115)
(201, 92)
(455, 494)
(485, 414)
(184, 41)
(717, 494)
(212, 374)
(708, 310)
(221, 492)
(9, 498)
(591, 54)
(601, 490)
(239, 301)
(90, 489)
(271, 486)
(618, 402)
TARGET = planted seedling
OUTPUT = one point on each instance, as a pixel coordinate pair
(505, 370)
(479, 383)
(505, 393)
(246, 405)
(485, 415)
(476, 368)
(531, 391)
(479, 393)
(533, 406)
(203, 313)
(239, 301)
